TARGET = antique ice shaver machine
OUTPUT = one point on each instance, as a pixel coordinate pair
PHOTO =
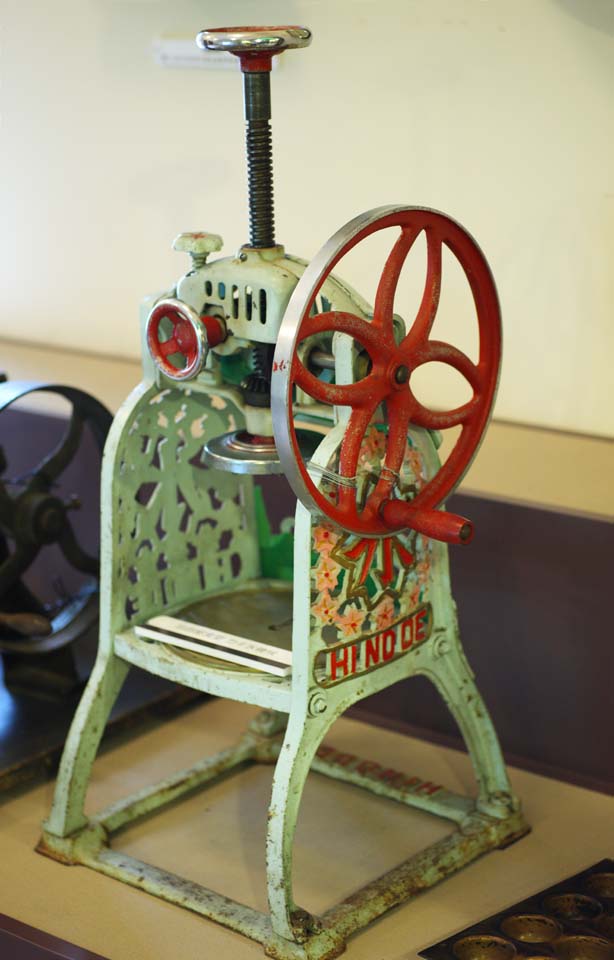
(260, 363)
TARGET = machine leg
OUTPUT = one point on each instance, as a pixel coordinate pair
(82, 743)
(454, 680)
(303, 737)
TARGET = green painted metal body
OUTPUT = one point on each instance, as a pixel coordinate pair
(178, 537)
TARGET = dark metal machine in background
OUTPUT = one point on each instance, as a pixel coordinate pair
(35, 514)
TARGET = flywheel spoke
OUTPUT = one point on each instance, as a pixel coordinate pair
(16, 564)
(427, 310)
(74, 553)
(342, 394)
(7, 509)
(443, 419)
(436, 351)
(52, 466)
(355, 431)
(384, 299)
(336, 321)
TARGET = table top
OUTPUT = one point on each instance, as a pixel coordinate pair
(345, 837)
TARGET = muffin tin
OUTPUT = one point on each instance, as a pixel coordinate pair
(572, 920)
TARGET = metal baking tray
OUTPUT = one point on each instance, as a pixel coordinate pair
(572, 920)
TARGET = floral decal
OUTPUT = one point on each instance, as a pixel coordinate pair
(384, 613)
(324, 538)
(361, 585)
(350, 623)
(325, 610)
(326, 573)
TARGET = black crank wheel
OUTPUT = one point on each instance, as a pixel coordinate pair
(37, 530)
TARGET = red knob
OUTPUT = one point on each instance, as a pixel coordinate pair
(175, 330)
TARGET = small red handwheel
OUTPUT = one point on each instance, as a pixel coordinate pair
(179, 339)
(388, 381)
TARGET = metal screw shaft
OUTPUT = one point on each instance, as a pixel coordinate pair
(257, 99)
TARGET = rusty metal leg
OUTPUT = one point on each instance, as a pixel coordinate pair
(454, 679)
(304, 734)
(100, 694)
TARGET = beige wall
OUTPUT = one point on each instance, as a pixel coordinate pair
(497, 112)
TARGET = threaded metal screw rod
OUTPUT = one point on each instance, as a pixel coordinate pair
(255, 47)
(258, 141)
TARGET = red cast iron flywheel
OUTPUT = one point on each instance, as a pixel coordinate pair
(389, 380)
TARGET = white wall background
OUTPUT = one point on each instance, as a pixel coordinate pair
(499, 112)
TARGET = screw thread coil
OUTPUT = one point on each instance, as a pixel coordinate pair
(260, 183)
(262, 359)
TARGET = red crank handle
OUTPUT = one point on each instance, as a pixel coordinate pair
(437, 524)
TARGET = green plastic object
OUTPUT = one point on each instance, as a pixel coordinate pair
(276, 549)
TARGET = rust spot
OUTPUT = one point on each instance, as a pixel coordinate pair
(304, 924)
(47, 851)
